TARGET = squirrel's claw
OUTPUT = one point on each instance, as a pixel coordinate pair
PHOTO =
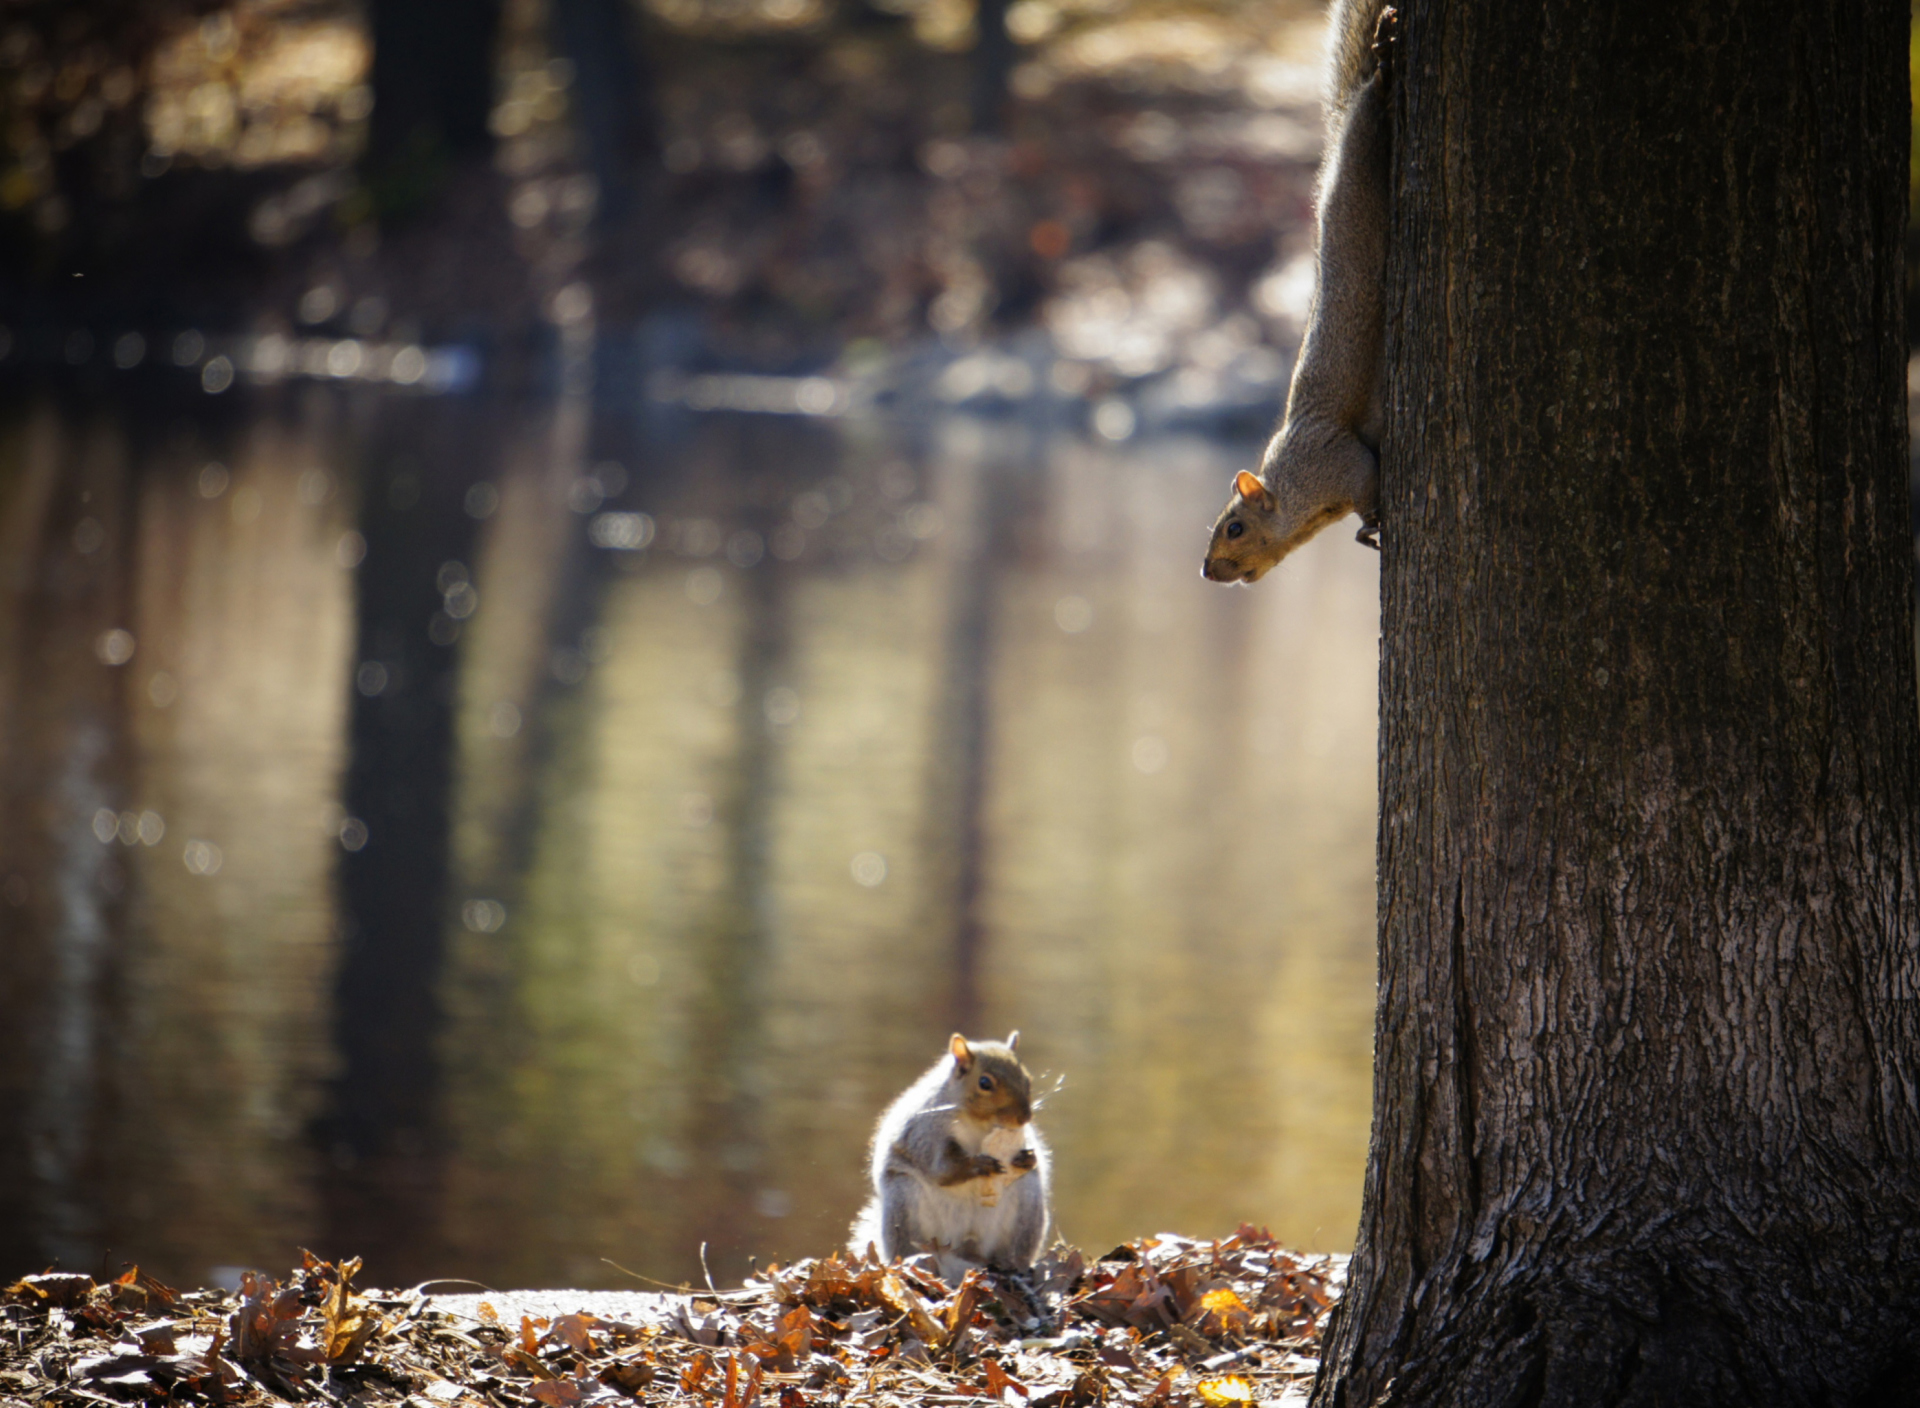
(1385, 31)
(1368, 536)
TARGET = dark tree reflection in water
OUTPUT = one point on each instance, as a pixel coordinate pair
(515, 903)
(381, 1180)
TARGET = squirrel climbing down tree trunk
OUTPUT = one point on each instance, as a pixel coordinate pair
(1646, 1124)
(1323, 462)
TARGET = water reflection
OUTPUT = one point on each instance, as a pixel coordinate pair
(599, 818)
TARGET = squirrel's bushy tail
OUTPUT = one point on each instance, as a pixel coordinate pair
(866, 1231)
(1350, 54)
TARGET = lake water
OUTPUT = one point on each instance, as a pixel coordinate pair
(524, 841)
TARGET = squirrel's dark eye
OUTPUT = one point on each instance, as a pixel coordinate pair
(1236, 528)
(986, 1082)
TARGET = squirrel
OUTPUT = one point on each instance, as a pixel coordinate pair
(958, 1169)
(1323, 461)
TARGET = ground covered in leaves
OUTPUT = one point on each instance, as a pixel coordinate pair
(1160, 1321)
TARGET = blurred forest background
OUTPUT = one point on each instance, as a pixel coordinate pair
(585, 581)
(582, 580)
(791, 184)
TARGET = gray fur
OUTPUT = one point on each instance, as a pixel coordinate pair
(1351, 59)
(1323, 462)
(927, 1196)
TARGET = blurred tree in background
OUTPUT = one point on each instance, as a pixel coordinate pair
(798, 174)
(432, 89)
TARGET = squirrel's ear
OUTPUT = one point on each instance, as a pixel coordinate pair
(1249, 487)
(957, 1046)
(1013, 1041)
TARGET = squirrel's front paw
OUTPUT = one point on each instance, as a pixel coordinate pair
(986, 1166)
(1026, 1159)
(1385, 31)
(1368, 536)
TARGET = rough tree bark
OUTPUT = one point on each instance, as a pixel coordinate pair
(1645, 1089)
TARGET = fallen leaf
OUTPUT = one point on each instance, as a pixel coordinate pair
(349, 1324)
(576, 1331)
(629, 1376)
(1219, 1311)
(530, 1329)
(557, 1393)
(60, 1288)
(894, 1293)
(742, 1389)
(698, 1369)
(1226, 1390)
(999, 1381)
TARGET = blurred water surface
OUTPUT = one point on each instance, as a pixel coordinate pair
(508, 840)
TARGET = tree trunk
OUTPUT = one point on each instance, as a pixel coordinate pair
(993, 56)
(433, 77)
(1645, 1089)
(613, 94)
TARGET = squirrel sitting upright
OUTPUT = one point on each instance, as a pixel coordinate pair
(1323, 462)
(958, 1168)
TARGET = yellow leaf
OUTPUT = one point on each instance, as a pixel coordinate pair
(1222, 1300)
(1227, 1390)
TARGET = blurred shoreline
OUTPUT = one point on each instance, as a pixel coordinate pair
(809, 197)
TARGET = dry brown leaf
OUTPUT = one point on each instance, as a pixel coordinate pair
(742, 1388)
(558, 1393)
(629, 1376)
(999, 1381)
(960, 1307)
(696, 1372)
(350, 1324)
(897, 1297)
(61, 1288)
(576, 1331)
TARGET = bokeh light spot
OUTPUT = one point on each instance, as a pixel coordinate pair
(1149, 753)
(503, 719)
(483, 916)
(114, 647)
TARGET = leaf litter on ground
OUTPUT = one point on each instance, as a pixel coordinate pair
(1161, 1322)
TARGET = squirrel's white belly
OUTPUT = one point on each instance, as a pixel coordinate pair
(969, 1218)
(972, 1218)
